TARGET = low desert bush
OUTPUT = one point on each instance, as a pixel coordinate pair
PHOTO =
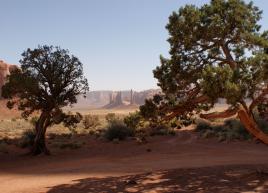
(262, 123)
(71, 121)
(91, 121)
(231, 129)
(171, 131)
(202, 126)
(155, 130)
(27, 138)
(175, 123)
(117, 130)
(159, 130)
(133, 120)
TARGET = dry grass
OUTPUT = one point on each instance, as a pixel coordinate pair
(13, 126)
(6, 113)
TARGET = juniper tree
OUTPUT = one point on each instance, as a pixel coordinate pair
(217, 51)
(49, 79)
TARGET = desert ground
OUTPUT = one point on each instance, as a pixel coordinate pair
(134, 96)
(180, 163)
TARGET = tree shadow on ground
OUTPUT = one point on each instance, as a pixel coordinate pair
(62, 141)
(210, 179)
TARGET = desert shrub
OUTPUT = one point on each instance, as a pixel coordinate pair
(231, 129)
(3, 147)
(263, 124)
(91, 121)
(71, 121)
(97, 132)
(133, 120)
(171, 131)
(27, 138)
(145, 127)
(159, 130)
(110, 117)
(202, 126)
(117, 130)
(236, 129)
(175, 123)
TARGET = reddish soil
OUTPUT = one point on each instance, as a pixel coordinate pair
(181, 163)
(7, 113)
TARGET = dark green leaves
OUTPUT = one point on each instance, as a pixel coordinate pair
(216, 51)
(50, 78)
(220, 82)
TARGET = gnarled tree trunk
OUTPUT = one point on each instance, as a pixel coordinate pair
(246, 118)
(39, 145)
(252, 126)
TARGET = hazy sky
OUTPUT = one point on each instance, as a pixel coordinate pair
(118, 41)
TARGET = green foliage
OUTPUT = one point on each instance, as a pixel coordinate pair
(71, 120)
(149, 110)
(216, 51)
(231, 129)
(159, 130)
(49, 79)
(262, 123)
(117, 130)
(223, 84)
(203, 126)
(133, 120)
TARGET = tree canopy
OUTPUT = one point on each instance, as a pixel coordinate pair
(217, 51)
(49, 78)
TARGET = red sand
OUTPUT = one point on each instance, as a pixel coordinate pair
(108, 167)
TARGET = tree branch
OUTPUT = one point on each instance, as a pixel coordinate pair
(187, 107)
(259, 99)
(219, 115)
(228, 55)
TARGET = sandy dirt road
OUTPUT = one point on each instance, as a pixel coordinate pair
(102, 160)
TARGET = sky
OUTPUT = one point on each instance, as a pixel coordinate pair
(118, 41)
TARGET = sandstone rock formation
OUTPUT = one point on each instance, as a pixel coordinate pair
(102, 99)
(5, 70)
(115, 100)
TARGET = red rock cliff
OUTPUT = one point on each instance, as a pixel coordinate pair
(5, 70)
